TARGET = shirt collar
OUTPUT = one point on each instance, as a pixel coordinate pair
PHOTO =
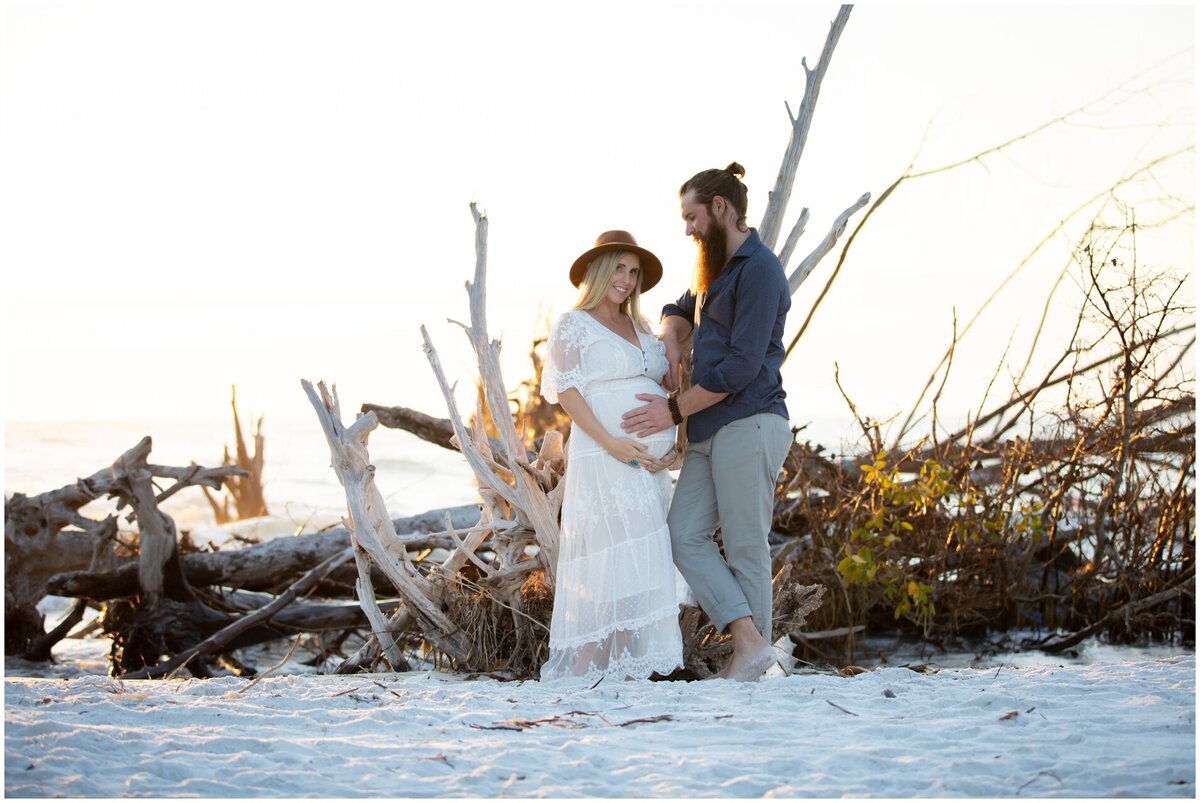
(752, 244)
(744, 252)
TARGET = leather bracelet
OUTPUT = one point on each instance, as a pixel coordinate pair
(673, 406)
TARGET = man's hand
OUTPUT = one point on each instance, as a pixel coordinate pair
(648, 419)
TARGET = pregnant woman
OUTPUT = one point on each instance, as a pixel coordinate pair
(616, 601)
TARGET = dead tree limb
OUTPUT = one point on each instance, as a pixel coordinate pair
(46, 535)
(370, 606)
(264, 566)
(1050, 236)
(226, 635)
(777, 199)
(521, 496)
(789, 245)
(1057, 644)
(373, 529)
(1026, 397)
(806, 266)
(246, 492)
(40, 649)
(435, 430)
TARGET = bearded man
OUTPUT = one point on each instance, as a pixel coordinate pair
(737, 422)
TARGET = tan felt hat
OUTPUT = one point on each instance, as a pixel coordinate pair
(617, 240)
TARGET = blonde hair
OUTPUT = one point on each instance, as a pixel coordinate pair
(594, 286)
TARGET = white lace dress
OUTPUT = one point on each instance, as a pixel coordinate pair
(617, 594)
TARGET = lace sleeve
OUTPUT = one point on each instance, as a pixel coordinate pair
(563, 368)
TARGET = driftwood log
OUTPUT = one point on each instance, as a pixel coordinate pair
(46, 535)
(265, 566)
(372, 535)
(224, 638)
(425, 427)
(156, 601)
(1060, 643)
(162, 613)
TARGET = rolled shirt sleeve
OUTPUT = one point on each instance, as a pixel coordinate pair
(684, 307)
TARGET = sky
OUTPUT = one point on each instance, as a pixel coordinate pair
(197, 195)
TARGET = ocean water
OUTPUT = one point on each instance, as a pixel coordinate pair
(413, 475)
(299, 483)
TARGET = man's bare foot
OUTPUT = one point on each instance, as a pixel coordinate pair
(723, 674)
(752, 655)
(750, 668)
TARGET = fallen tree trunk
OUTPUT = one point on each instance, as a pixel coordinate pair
(372, 534)
(226, 635)
(435, 430)
(263, 566)
(46, 535)
(1184, 584)
(40, 649)
(299, 616)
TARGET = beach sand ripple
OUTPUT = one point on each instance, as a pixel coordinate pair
(1121, 729)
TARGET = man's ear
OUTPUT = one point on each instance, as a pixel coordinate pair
(719, 206)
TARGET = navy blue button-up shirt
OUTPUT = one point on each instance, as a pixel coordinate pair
(738, 346)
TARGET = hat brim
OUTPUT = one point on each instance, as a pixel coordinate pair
(651, 265)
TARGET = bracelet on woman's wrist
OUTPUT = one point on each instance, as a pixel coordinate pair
(673, 406)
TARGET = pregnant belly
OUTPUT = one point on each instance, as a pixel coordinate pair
(611, 400)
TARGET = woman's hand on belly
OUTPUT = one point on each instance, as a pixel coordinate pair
(628, 451)
(665, 461)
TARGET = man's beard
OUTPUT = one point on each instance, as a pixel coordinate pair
(710, 260)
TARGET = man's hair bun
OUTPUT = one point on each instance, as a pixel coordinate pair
(727, 184)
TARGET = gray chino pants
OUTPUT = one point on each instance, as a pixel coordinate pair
(729, 480)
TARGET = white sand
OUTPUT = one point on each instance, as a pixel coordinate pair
(1117, 729)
